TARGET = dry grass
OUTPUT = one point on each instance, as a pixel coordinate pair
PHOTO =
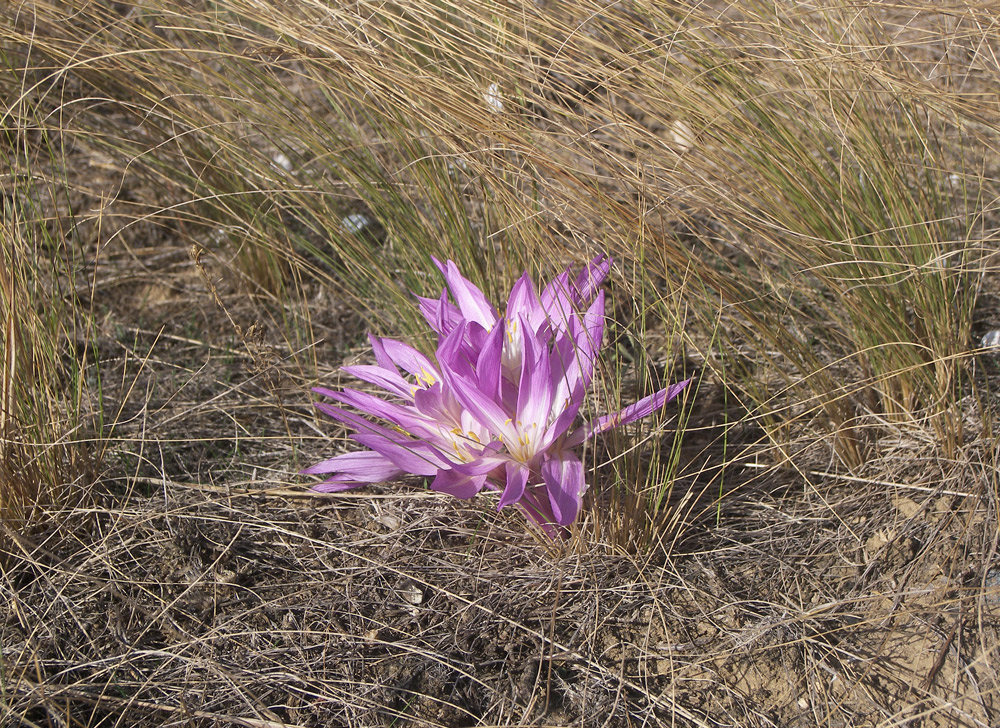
(44, 412)
(801, 202)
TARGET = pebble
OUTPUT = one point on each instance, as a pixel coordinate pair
(355, 223)
(992, 585)
(682, 135)
(282, 161)
(494, 99)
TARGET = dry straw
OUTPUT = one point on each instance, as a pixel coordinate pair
(801, 200)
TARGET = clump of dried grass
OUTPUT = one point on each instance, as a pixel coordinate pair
(240, 605)
(43, 416)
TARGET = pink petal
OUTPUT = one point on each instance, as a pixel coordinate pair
(557, 302)
(563, 477)
(489, 366)
(381, 358)
(591, 278)
(517, 479)
(409, 419)
(471, 301)
(387, 379)
(440, 314)
(484, 408)
(364, 466)
(591, 337)
(458, 484)
(372, 406)
(643, 408)
(410, 456)
(534, 398)
(453, 354)
(539, 511)
(523, 303)
(351, 419)
(336, 484)
(409, 359)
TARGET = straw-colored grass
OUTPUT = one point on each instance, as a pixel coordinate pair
(46, 437)
(207, 204)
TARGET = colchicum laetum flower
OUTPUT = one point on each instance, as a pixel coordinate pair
(496, 407)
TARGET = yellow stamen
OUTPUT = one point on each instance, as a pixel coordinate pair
(511, 328)
(426, 378)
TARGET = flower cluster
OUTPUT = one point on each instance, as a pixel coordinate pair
(496, 407)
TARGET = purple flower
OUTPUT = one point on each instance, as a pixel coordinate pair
(498, 404)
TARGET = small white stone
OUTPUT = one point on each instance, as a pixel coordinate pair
(456, 166)
(355, 223)
(412, 593)
(494, 99)
(682, 135)
(991, 339)
(992, 584)
(282, 161)
(389, 521)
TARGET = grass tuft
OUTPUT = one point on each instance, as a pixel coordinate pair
(44, 455)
